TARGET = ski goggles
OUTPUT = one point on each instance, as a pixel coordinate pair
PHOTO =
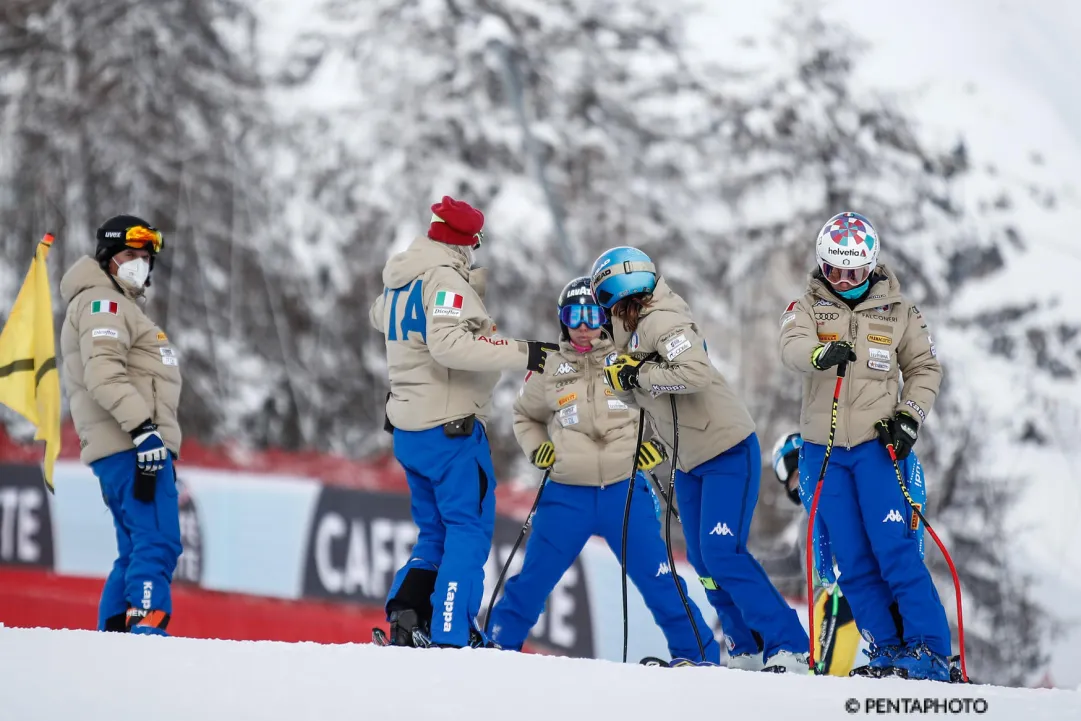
(836, 275)
(140, 236)
(592, 316)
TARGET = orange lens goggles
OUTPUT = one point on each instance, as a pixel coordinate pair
(141, 236)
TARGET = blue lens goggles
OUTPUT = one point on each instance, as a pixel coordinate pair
(593, 316)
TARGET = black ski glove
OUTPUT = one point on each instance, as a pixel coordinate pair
(901, 431)
(833, 353)
(538, 353)
(150, 455)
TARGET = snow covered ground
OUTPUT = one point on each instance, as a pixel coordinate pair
(49, 675)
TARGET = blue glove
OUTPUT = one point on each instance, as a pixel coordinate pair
(150, 448)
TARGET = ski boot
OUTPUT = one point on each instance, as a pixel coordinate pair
(674, 663)
(787, 662)
(920, 662)
(477, 638)
(147, 623)
(880, 661)
(745, 661)
(405, 630)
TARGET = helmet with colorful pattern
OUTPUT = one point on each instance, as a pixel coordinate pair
(847, 249)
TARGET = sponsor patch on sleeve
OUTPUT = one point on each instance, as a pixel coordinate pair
(878, 365)
(934, 351)
(791, 307)
(568, 416)
(105, 333)
(168, 356)
(919, 411)
(879, 354)
(614, 404)
(564, 400)
(677, 345)
(162, 338)
(786, 319)
(828, 337)
(880, 339)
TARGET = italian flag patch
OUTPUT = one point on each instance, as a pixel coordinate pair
(446, 299)
(447, 305)
(104, 306)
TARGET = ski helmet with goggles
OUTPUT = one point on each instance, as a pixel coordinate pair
(620, 273)
(578, 306)
(785, 461)
(847, 249)
(126, 231)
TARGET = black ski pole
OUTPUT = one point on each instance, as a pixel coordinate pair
(841, 368)
(626, 521)
(513, 550)
(668, 529)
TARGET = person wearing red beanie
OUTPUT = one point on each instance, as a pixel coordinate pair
(444, 358)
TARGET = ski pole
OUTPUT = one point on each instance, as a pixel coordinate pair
(887, 440)
(626, 521)
(664, 496)
(668, 529)
(841, 368)
(514, 550)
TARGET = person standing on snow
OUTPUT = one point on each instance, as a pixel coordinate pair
(570, 422)
(854, 312)
(839, 643)
(663, 362)
(123, 379)
(444, 358)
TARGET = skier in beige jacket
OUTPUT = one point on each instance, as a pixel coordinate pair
(570, 423)
(444, 358)
(663, 361)
(854, 312)
(123, 380)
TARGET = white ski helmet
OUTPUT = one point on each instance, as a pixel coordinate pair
(847, 249)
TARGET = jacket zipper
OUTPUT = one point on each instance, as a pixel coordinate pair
(853, 332)
(589, 401)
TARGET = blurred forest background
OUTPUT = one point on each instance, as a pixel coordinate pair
(287, 148)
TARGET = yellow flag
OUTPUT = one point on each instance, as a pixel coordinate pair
(29, 381)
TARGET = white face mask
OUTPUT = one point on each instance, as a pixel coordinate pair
(133, 273)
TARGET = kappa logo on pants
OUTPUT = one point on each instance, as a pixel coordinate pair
(721, 529)
(663, 570)
(894, 515)
(448, 606)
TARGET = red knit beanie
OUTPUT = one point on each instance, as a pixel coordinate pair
(456, 223)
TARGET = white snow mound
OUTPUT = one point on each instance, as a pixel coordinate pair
(47, 674)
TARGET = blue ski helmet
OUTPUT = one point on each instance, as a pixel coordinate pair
(620, 273)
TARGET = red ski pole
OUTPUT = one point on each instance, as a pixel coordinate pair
(841, 368)
(887, 440)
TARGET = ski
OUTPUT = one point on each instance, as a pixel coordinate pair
(379, 637)
(653, 661)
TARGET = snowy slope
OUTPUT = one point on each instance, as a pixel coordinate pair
(49, 675)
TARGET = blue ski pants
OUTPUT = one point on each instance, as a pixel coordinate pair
(566, 517)
(716, 504)
(869, 525)
(452, 495)
(147, 539)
